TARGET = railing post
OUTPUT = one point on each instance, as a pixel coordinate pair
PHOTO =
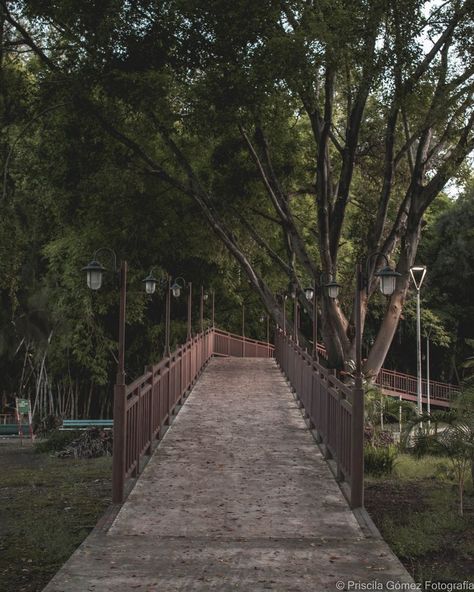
(357, 448)
(120, 417)
(151, 410)
(118, 457)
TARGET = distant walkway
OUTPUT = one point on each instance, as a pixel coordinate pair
(237, 497)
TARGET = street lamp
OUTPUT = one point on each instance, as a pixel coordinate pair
(264, 318)
(150, 283)
(387, 278)
(293, 294)
(418, 273)
(311, 296)
(204, 298)
(284, 298)
(213, 308)
(428, 386)
(174, 288)
(94, 274)
(95, 271)
(332, 288)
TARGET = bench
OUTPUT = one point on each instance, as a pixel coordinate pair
(85, 424)
(11, 429)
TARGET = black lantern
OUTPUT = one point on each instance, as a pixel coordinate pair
(388, 280)
(309, 293)
(150, 283)
(94, 271)
(333, 289)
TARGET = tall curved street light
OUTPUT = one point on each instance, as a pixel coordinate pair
(418, 273)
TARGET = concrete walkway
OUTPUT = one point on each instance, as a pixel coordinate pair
(237, 497)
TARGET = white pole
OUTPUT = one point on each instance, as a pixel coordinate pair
(418, 347)
(428, 389)
(400, 414)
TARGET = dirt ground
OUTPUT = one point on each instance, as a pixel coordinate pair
(419, 520)
(47, 507)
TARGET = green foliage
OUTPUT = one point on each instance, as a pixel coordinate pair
(423, 535)
(379, 461)
(198, 72)
(409, 467)
(56, 441)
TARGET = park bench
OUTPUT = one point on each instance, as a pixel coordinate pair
(85, 424)
(11, 429)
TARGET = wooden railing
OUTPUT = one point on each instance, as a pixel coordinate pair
(441, 393)
(405, 384)
(229, 344)
(329, 405)
(151, 400)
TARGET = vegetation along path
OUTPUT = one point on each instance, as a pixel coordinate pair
(236, 497)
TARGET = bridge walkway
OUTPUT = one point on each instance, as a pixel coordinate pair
(236, 497)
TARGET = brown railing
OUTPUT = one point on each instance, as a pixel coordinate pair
(229, 344)
(329, 406)
(441, 393)
(407, 384)
(151, 399)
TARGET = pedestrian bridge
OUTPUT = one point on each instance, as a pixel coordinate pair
(237, 495)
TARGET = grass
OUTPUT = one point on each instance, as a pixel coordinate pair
(36, 489)
(415, 509)
(409, 468)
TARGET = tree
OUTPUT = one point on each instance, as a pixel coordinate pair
(325, 81)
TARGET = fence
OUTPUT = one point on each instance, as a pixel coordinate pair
(398, 383)
(407, 384)
(229, 344)
(334, 410)
(149, 401)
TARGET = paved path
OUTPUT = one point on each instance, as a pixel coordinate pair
(237, 497)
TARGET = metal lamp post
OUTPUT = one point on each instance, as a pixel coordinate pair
(311, 296)
(204, 298)
(213, 294)
(190, 305)
(387, 278)
(175, 289)
(418, 273)
(95, 271)
(266, 318)
(428, 389)
(293, 295)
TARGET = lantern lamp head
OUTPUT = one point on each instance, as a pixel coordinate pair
(388, 280)
(150, 283)
(176, 290)
(309, 293)
(205, 296)
(94, 271)
(333, 289)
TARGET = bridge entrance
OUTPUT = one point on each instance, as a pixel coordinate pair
(237, 496)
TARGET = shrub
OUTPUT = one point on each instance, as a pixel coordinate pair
(379, 461)
(56, 441)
